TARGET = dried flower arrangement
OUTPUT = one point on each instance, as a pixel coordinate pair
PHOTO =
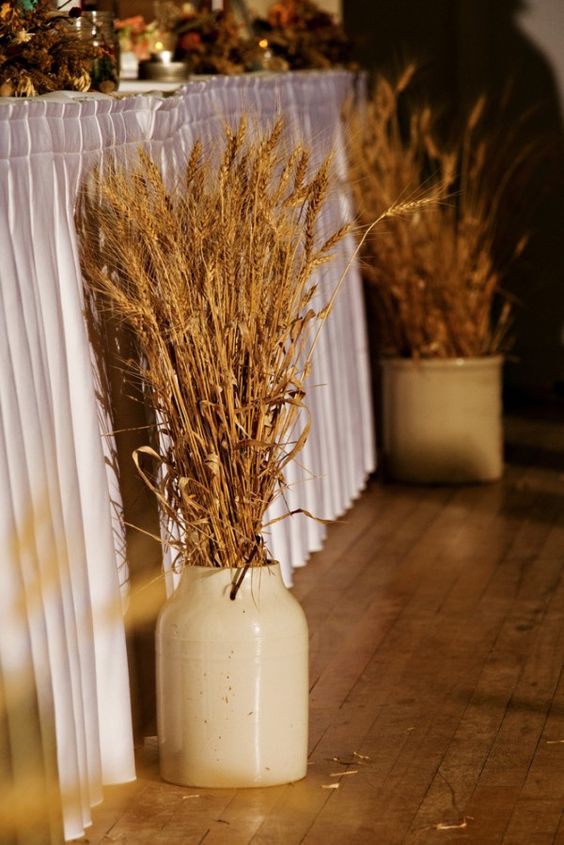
(299, 35)
(137, 36)
(304, 35)
(436, 286)
(216, 278)
(39, 52)
(209, 41)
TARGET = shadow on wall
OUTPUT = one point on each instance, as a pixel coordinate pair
(463, 49)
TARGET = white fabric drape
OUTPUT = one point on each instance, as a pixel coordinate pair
(60, 612)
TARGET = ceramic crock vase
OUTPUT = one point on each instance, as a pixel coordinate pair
(232, 681)
(442, 419)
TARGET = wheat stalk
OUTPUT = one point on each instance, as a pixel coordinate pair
(435, 284)
(214, 277)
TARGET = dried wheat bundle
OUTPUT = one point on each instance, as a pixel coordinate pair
(432, 275)
(214, 277)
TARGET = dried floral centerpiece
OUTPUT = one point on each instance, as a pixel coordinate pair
(40, 51)
(206, 42)
(292, 35)
(137, 36)
(304, 35)
(209, 41)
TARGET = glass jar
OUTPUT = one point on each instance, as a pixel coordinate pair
(98, 28)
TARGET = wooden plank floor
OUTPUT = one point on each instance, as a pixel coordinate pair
(437, 692)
